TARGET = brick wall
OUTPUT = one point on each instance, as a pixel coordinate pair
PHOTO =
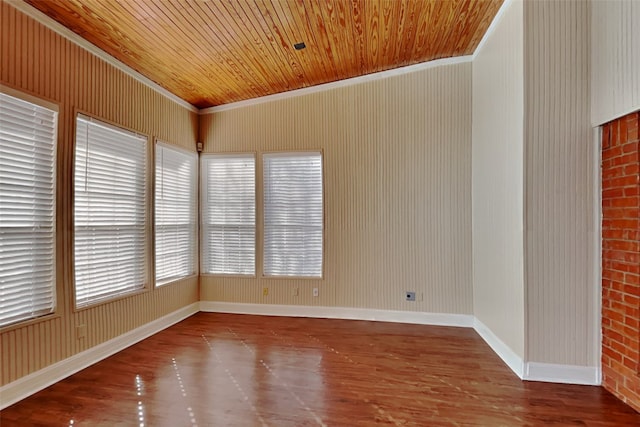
(621, 259)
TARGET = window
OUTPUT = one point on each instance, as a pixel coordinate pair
(228, 214)
(109, 211)
(27, 209)
(175, 213)
(293, 214)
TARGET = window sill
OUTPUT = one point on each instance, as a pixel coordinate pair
(173, 281)
(29, 322)
(108, 300)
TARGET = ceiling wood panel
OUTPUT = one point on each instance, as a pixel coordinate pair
(214, 52)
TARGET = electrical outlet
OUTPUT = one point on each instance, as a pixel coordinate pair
(265, 292)
(81, 331)
(295, 292)
(316, 292)
(410, 296)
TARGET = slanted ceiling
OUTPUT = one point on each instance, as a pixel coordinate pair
(214, 52)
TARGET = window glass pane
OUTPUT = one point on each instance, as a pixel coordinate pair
(228, 214)
(109, 211)
(175, 213)
(293, 214)
(27, 209)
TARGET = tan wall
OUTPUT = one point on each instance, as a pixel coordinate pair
(397, 163)
(559, 185)
(498, 247)
(40, 62)
(615, 60)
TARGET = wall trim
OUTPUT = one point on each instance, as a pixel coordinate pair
(530, 371)
(346, 313)
(597, 249)
(340, 83)
(566, 374)
(23, 387)
(63, 31)
(508, 356)
(492, 27)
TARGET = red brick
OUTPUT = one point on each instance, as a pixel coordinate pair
(630, 148)
(626, 159)
(622, 181)
(631, 169)
(621, 258)
(622, 202)
(606, 136)
(631, 279)
(631, 191)
(612, 152)
(615, 131)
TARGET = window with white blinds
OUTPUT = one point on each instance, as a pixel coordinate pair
(109, 211)
(228, 214)
(27, 209)
(176, 196)
(293, 214)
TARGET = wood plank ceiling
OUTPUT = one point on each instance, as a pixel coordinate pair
(214, 52)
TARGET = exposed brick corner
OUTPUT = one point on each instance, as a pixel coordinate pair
(621, 259)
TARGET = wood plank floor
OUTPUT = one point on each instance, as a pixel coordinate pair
(236, 370)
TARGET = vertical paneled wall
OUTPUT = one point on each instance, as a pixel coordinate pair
(498, 258)
(397, 164)
(559, 185)
(38, 61)
(615, 60)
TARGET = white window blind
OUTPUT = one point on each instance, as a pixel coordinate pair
(293, 214)
(228, 214)
(27, 209)
(176, 196)
(109, 211)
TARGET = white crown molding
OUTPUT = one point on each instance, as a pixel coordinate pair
(23, 387)
(492, 27)
(60, 29)
(338, 84)
(346, 313)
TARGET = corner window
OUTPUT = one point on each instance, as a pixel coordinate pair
(228, 214)
(27, 209)
(175, 213)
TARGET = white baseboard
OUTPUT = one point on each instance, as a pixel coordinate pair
(566, 374)
(531, 371)
(32, 383)
(420, 318)
(508, 356)
(536, 371)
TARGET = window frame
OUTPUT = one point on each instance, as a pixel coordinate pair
(263, 214)
(201, 215)
(56, 285)
(148, 243)
(196, 226)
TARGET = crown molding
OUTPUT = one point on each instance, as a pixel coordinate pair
(340, 83)
(63, 31)
(492, 27)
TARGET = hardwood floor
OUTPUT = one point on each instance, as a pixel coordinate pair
(238, 370)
